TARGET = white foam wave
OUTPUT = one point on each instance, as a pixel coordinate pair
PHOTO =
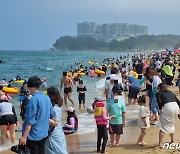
(7, 146)
(86, 123)
(100, 85)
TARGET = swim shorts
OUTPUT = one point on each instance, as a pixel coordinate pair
(8, 119)
(67, 90)
(116, 129)
(81, 99)
(133, 92)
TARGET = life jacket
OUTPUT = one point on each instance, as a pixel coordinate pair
(98, 113)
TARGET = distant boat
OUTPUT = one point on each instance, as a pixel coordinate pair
(49, 69)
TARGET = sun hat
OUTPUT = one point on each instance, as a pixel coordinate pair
(69, 109)
(99, 99)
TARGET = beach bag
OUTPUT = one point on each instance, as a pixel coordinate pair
(20, 149)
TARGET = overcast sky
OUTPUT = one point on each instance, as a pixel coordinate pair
(37, 24)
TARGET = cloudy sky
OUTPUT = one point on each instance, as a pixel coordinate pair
(37, 24)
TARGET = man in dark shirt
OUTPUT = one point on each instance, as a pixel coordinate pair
(165, 96)
(139, 69)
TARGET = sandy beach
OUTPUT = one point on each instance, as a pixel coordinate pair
(86, 143)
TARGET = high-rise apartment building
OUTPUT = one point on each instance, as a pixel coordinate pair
(86, 28)
(110, 31)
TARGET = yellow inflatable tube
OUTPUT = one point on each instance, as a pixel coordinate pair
(99, 72)
(18, 82)
(134, 74)
(70, 74)
(82, 73)
(11, 90)
(90, 62)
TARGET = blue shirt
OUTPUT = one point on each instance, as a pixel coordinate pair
(133, 81)
(38, 112)
(116, 109)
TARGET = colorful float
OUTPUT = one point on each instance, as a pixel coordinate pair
(135, 75)
(99, 72)
(10, 90)
(81, 73)
(18, 82)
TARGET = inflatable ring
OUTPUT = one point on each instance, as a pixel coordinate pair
(18, 82)
(82, 73)
(90, 62)
(69, 74)
(99, 72)
(134, 74)
(11, 90)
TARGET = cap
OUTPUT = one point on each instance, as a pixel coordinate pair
(113, 77)
(44, 79)
(69, 109)
(99, 98)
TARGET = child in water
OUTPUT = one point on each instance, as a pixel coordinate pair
(81, 89)
(72, 121)
(101, 121)
(143, 119)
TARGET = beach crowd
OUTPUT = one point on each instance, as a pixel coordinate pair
(141, 79)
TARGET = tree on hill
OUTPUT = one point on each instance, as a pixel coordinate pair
(145, 42)
(79, 43)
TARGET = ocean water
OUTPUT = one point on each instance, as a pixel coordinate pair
(52, 64)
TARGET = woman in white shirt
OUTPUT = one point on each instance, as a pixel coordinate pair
(8, 118)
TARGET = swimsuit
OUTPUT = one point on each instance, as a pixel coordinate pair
(67, 90)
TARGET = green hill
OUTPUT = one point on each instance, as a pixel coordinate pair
(146, 42)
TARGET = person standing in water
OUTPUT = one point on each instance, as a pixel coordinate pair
(68, 88)
(81, 89)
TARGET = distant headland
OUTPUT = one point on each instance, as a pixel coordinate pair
(115, 37)
(137, 43)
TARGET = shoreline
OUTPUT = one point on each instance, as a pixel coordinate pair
(86, 143)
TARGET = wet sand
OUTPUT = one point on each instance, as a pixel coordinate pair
(86, 143)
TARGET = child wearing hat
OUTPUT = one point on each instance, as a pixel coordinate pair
(102, 118)
(71, 125)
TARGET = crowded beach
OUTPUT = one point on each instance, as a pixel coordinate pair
(148, 81)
